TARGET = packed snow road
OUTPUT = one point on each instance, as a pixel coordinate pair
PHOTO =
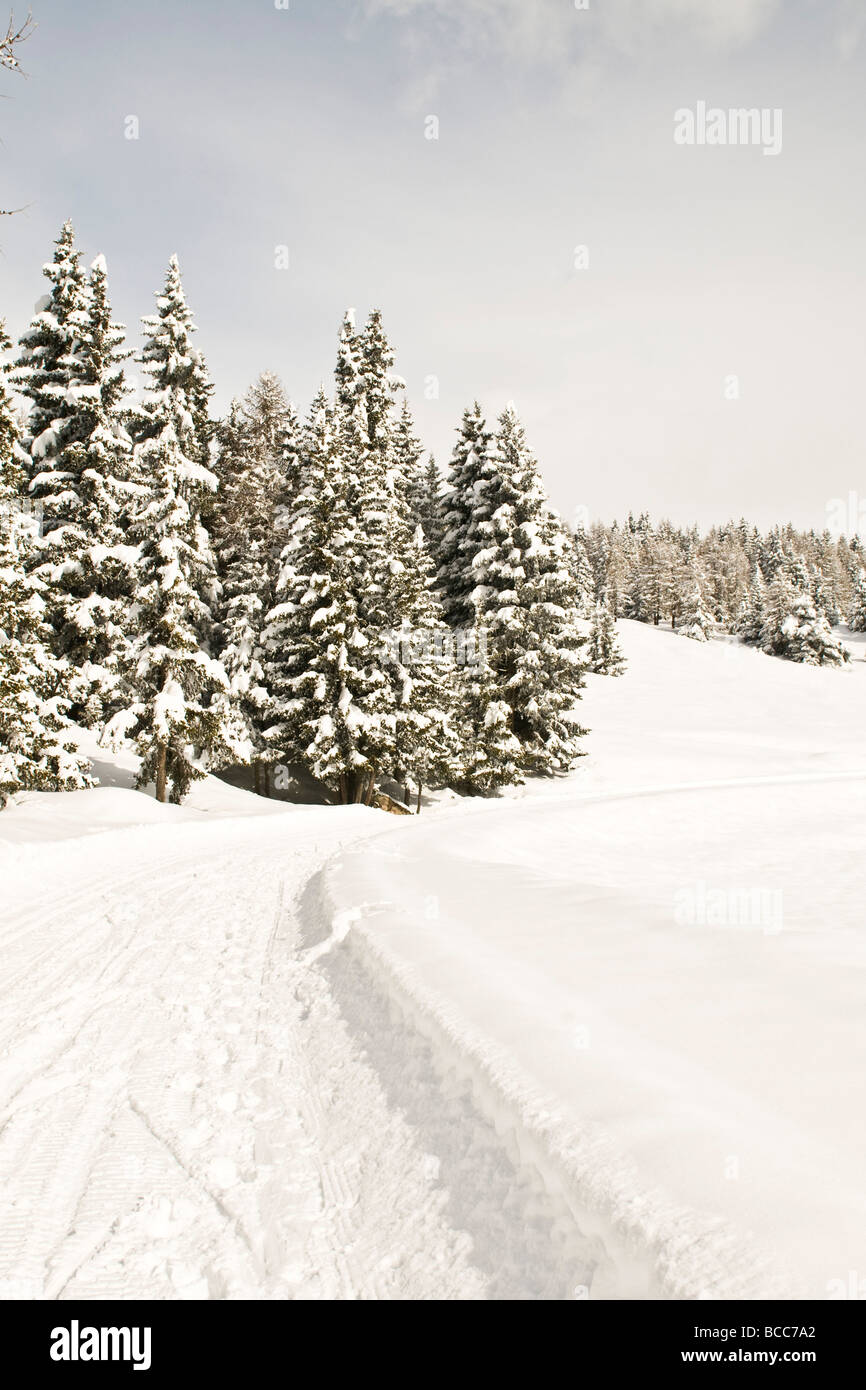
(186, 1112)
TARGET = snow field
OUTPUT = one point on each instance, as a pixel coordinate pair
(249, 1050)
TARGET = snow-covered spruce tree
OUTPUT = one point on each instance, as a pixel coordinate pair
(695, 620)
(604, 654)
(379, 492)
(752, 615)
(37, 748)
(171, 679)
(331, 705)
(422, 661)
(427, 508)
(87, 561)
(795, 630)
(490, 755)
(251, 465)
(526, 600)
(80, 478)
(610, 562)
(857, 612)
(414, 645)
(406, 454)
(584, 578)
(47, 372)
(772, 555)
(177, 400)
(246, 585)
(635, 600)
(824, 595)
(465, 507)
(391, 584)
(365, 466)
(419, 487)
(178, 374)
(273, 439)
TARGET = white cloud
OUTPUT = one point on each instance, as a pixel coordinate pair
(717, 24)
(552, 29)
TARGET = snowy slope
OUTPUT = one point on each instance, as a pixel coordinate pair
(669, 949)
(599, 1038)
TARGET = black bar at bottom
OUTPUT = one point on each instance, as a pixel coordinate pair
(228, 1340)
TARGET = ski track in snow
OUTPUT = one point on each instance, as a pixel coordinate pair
(187, 1113)
(212, 1086)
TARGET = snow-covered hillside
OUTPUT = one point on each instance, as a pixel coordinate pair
(599, 1037)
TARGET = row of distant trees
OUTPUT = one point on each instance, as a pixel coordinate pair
(784, 591)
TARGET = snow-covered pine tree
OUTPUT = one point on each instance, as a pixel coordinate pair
(604, 654)
(252, 467)
(857, 611)
(176, 403)
(88, 563)
(695, 620)
(464, 508)
(362, 417)
(658, 561)
(610, 561)
(584, 578)
(274, 431)
(490, 755)
(330, 704)
(634, 597)
(80, 476)
(407, 452)
(178, 373)
(392, 585)
(824, 595)
(752, 615)
(422, 661)
(378, 493)
(47, 372)
(37, 746)
(246, 588)
(772, 555)
(172, 680)
(795, 630)
(526, 600)
(420, 487)
(428, 509)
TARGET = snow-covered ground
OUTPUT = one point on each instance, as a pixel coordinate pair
(598, 1038)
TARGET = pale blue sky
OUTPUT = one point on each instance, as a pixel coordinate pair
(261, 126)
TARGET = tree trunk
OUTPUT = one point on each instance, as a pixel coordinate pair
(162, 757)
(257, 777)
(266, 776)
(418, 803)
(357, 788)
(344, 790)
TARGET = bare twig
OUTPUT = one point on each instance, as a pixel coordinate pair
(10, 41)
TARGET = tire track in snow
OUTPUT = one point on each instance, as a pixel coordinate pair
(191, 1118)
(525, 1240)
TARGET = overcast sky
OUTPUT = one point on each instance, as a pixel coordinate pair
(306, 127)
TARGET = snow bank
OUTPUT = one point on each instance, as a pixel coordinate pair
(653, 967)
(114, 804)
(635, 1242)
